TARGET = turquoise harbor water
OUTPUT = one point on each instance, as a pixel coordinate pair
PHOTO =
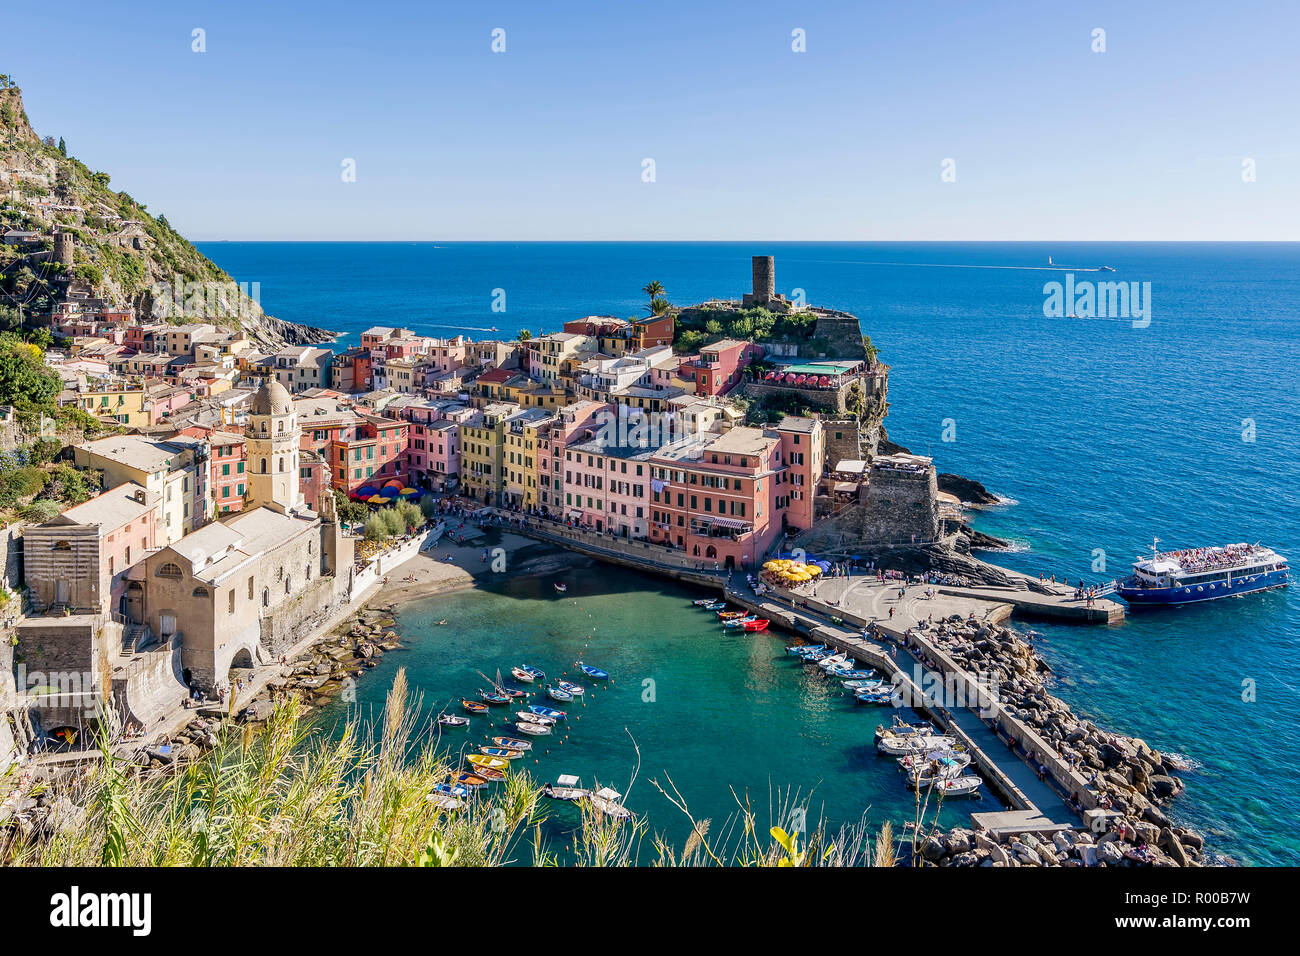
(1101, 433)
(707, 707)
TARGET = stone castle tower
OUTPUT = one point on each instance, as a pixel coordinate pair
(64, 247)
(273, 438)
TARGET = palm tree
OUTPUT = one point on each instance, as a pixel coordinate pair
(654, 289)
(658, 306)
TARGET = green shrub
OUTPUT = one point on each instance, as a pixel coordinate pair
(42, 509)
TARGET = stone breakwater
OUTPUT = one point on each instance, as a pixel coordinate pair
(965, 848)
(1126, 784)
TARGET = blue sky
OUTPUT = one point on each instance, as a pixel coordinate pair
(750, 140)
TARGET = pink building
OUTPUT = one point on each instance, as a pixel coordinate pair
(573, 424)
(803, 452)
(607, 487)
(720, 367)
(716, 499)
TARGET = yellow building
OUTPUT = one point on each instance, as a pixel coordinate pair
(520, 458)
(126, 406)
(482, 452)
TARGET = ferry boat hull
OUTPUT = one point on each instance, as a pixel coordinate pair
(1194, 576)
(1195, 594)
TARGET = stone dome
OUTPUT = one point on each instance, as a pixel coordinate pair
(272, 399)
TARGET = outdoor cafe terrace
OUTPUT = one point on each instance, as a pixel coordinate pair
(814, 375)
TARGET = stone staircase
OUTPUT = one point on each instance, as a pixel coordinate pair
(134, 637)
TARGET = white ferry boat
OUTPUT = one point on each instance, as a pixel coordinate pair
(1202, 574)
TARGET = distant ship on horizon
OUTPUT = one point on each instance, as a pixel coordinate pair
(1081, 268)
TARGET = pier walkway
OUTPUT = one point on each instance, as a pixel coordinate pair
(1035, 803)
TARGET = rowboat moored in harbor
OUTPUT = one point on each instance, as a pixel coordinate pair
(558, 693)
(505, 753)
(474, 706)
(532, 729)
(595, 673)
(488, 762)
(576, 690)
(548, 712)
(514, 743)
(452, 720)
(519, 674)
(531, 717)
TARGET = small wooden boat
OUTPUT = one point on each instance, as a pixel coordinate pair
(514, 743)
(490, 774)
(880, 697)
(728, 615)
(595, 673)
(556, 693)
(801, 650)
(451, 720)
(537, 672)
(716, 606)
(452, 790)
(849, 673)
(528, 717)
(494, 698)
(758, 624)
(835, 660)
(704, 602)
(566, 787)
(561, 587)
(505, 753)
(514, 693)
(474, 706)
(472, 780)
(533, 730)
(577, 690)
(738, 621)
(543, 711)
(858, 682)
(488, 761)
(446, 802)
(866, 686)
(521, 675)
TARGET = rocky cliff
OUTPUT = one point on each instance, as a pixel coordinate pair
(118, 252)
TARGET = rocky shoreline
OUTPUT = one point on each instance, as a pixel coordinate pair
(1133, 781)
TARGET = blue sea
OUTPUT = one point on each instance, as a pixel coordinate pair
(1100, 436)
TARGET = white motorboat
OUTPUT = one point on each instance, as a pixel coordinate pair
(919, 744)
(566, 787)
